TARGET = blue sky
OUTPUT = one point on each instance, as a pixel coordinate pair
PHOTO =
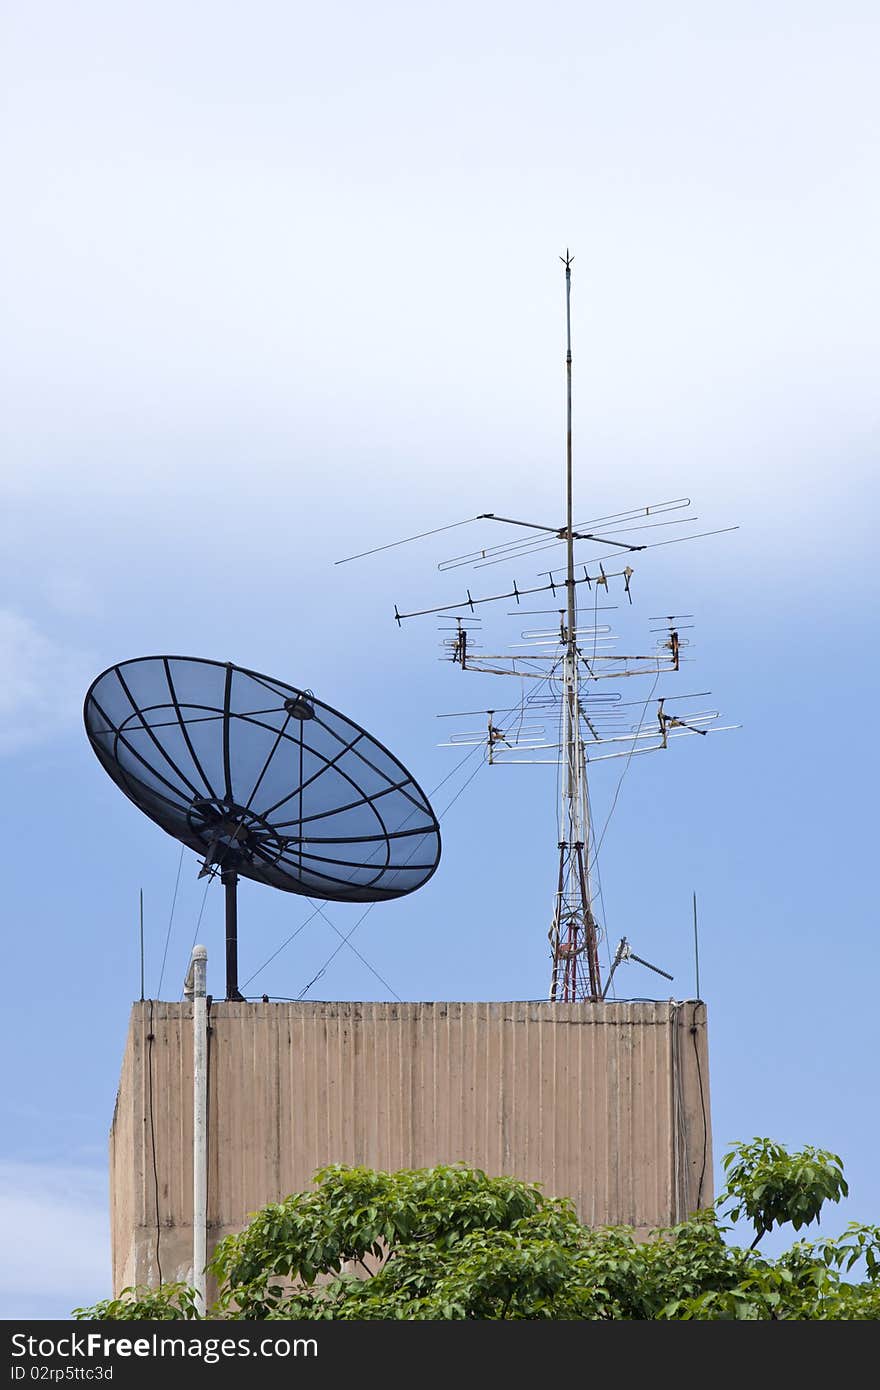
(281, 284)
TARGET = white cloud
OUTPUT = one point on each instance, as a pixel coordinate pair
(56, 1229)
(72, 594)
(43, 683)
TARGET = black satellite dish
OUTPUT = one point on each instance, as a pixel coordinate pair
(262, 779)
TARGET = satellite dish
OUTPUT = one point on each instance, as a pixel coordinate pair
(263, 780)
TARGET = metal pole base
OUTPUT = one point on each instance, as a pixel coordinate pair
(230, 883)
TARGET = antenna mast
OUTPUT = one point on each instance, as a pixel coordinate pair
(556, 674)
(573, 935)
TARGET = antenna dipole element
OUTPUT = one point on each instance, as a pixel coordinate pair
(573, 935)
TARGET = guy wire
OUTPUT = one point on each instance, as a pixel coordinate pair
(346, 940)
(170, 920)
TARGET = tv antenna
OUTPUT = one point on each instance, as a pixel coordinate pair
(263, 781)
(564, 660)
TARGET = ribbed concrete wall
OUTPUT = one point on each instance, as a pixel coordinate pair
(607, 1104)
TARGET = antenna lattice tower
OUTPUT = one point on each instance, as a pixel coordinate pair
(573, 936)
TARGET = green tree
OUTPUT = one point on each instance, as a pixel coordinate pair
(772, 1186)
(450, 1243)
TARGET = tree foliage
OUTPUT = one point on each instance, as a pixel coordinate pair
(167, 1303)
(772, 1186)
(451, 1243)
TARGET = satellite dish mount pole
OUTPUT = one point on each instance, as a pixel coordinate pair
(229, 879)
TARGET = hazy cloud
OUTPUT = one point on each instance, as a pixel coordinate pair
(56, 1228)
(72, 594)
(43, 683)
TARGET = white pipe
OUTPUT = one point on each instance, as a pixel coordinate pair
(195, 989)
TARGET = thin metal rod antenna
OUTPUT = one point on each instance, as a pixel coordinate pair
(142, 942)
(570, 667)
(696, 946)
(569, 512)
